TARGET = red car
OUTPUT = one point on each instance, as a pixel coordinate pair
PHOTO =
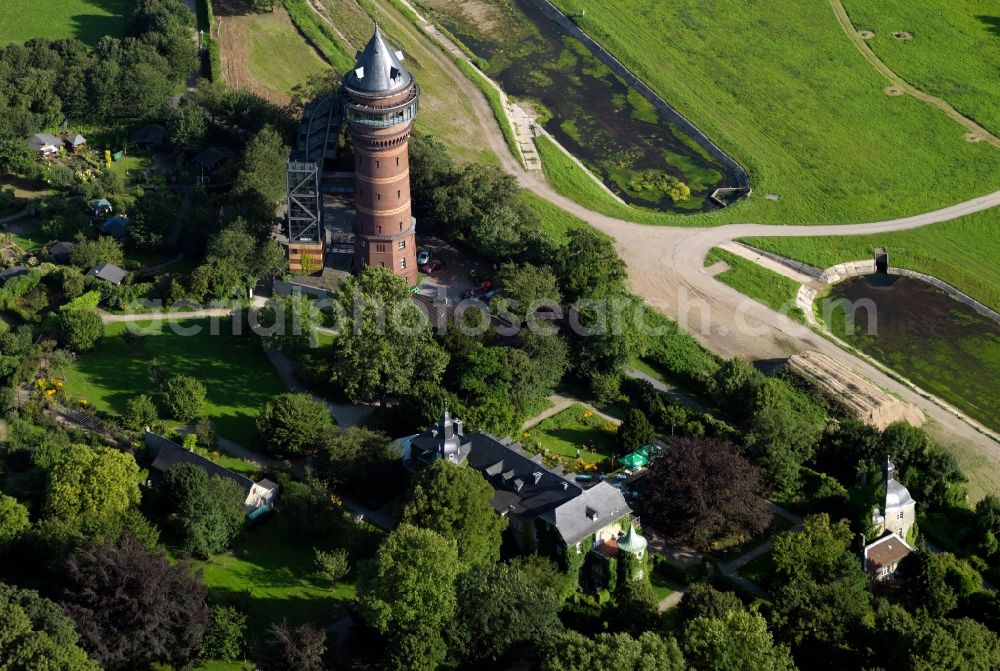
(482, 288)
(432, 265)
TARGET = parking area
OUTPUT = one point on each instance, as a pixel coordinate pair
(460, 271)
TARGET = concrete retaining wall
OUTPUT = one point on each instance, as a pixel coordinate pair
(742, 178)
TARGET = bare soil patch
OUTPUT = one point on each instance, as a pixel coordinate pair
(866, 34)
(973, 137)
(893, 91)
(903, 36)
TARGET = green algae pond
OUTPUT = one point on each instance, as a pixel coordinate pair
(639, 153)
(918, 330)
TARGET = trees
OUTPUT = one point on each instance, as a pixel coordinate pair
(225, 635)
(702, 489)
(153, 219)
(914, 641)
(385, 345)
(14, 521)
(90, 253)
(611, 652)
(35, 634)
(81, 329)
(734, 641)
(292, 424)
(300, 648)
(183, 397)
(456, 502)
(501, 606)
(361, 462)
(140, 411)
(703, 600)
(589, 267)
(186, 126)
(635, 431)
(526, 286)
(333, 565)
(817, 550)
(210, 509)
(408, 594)
(925, 585)
(132, 607)
(89, 487)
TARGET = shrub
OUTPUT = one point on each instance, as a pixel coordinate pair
(183, 397)
(607, 387)
(225, 634)
(293, 424)
(80, 329)
(140, 411)
(333, 566)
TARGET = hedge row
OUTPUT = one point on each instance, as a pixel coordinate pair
(318, 34)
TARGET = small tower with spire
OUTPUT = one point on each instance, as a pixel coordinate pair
(381, 99)
(900, 510)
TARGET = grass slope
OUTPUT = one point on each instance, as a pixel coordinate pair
(778, 85)
(238, 375)
(962, 252)
(763, 285)
(86, 20)
(263, 51)
(953, 54)
(554, 220)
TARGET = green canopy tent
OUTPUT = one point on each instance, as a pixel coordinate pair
(636, 459)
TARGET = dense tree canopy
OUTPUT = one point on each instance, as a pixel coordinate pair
(703, 489)
(611, 652)
(291, 425)
(408, 595)
(385, 344)
(209, 509)
(735, 641)
(81, 329)
(133, 607)
(36, 634)
(89, 486)
(455, 502)
(361, 462)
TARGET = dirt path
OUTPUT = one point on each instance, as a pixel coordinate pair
(852, 33)
(666, 269)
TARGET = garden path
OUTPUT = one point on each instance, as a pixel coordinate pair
(558, 403)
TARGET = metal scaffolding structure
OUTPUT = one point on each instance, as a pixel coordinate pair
(305, 202)
(314, 150)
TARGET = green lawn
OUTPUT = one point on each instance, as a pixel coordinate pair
(779, 85)
(953, 53)
(238, 375)
(763, 285)
(661, 589)
(554, 220)
(962, 252)
(561, 435)
(86, 20)
(28, 233)
(271, 575)
(759, 570)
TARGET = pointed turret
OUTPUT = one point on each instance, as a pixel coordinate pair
(378, 70)
(632, 542)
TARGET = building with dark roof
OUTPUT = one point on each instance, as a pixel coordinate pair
(148, 137)
(547, 511)
(12, 272)
(212, 158)
(166, 454)
(77, 143)
(45, 144)
(108, 272)
(116, 227)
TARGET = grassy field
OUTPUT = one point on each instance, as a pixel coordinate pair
(952, 54)
(962, 252)
(238, 375)
(86, 20)
(272, 575)
(263, 51)
(575, 428)
(778, 85)
(763, 285)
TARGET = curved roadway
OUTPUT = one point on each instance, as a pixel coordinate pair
(666, 269)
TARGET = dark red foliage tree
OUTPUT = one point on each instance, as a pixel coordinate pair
(132, 607)
(703, 489)
(300, 648)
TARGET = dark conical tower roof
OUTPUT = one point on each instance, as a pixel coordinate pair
(378, 69)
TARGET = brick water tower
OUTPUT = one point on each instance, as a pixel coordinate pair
(380, 103)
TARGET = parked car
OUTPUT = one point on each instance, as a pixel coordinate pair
(432, 266)
(423, 256)
(483, 287)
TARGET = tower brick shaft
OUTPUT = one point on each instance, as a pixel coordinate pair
(380, 102)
